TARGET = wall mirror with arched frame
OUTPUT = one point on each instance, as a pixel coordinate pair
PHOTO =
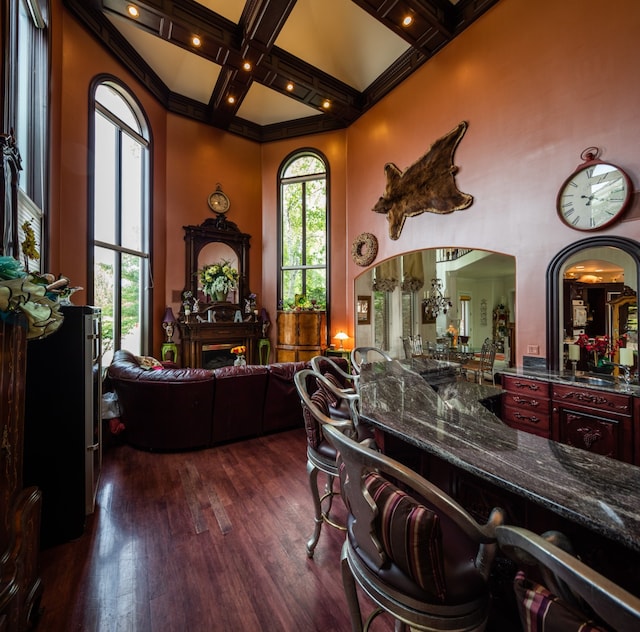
(479, 284)
(584, 282)
(215, 240)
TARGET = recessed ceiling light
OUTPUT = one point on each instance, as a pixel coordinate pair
(407, 20)
(290, 86)
(247, 65)
(133, 11)
(196, 41)
(231, 100)
(326, 104)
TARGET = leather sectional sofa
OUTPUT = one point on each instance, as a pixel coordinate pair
(172, 409)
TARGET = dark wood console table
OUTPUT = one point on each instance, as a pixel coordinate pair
(595, 497)
(200, 340)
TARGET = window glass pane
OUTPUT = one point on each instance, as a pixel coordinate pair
(132, 198)
(291, 285)
(407, 314)
(131, 310)
(104, 296)
(380, 319)
(304, 166)
(316, 223)
(112, 101)
(291, 225)
(105, 186)
(315, 290)
(25, 67)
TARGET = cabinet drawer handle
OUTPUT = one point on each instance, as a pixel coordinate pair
(534, 403)
(531, 387)
(532, 418)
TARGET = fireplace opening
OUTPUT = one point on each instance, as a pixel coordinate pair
(216, 356)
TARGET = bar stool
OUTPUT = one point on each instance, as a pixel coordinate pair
(264, 346)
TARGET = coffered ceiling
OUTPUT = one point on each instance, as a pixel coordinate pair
(272, 69)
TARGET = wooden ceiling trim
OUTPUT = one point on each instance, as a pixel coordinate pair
(228, 45)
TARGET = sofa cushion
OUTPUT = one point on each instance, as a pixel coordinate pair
(282, 408)
(238, 402)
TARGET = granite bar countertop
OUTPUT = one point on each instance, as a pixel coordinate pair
(597, 492)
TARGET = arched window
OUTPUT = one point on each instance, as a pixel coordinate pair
(303, 231)
(119, 220)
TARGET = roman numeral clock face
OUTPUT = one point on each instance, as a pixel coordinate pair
(594, 196)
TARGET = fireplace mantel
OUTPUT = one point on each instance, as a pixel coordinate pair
(196, 337)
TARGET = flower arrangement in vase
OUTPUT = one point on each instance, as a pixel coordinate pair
(218, 279)
(239, 352)
(603, 349)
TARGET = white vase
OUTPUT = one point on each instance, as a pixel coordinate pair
(239, 361)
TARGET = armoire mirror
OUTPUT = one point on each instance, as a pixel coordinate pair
(619, 252)
(214, 240)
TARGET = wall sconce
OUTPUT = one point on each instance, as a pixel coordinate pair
(168, 322)
(341, 336)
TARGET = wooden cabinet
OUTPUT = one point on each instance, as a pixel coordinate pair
(20, 586)
(597, 421)
(526, 405)
(301, 335)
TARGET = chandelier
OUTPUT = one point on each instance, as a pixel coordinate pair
(436, 301)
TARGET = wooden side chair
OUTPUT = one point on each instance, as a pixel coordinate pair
(574, 597)
(362, 355)
(321, 455)
(482, 367)
(412, 550)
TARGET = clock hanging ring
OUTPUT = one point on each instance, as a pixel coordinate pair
(595, 195)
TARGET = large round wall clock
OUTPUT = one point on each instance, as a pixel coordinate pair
(218, 201)
(595, 195)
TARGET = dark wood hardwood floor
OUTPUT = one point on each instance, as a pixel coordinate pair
(200, 541)
(206, 541)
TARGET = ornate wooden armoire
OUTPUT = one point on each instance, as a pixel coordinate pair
(20, 586)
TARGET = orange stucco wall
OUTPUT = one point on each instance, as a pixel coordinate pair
(537, 82)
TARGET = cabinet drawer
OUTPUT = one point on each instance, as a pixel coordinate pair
(606, 436)
(522, 385)
(536, 421)
(603, 402)
(524, 401)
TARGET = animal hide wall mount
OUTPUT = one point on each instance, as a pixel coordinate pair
(428, 185)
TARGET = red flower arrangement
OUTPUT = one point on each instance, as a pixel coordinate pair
(602, 347)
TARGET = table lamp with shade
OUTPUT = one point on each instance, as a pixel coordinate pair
(168, 323)
(341, 336)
